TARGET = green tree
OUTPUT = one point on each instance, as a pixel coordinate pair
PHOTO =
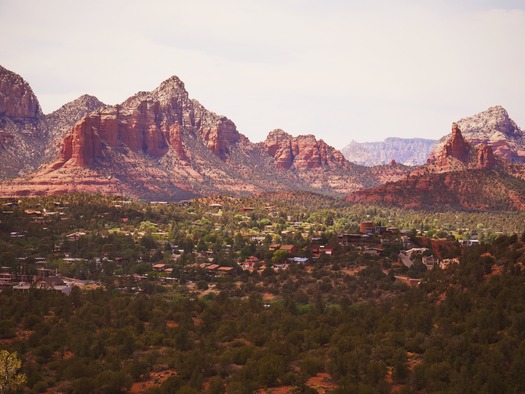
(10, 380)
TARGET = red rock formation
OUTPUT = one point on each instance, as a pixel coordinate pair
(486, 157)
(302, 152)
(471, 189)
(219, 135)
(278, 144)
(17, 100)
(84, 144)
(456, 146)
(151, 123)
(491, 127)
(175, 141)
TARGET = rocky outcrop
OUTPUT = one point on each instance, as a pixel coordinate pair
(407, 151)
(491, 127)
(475, 189)
(83, 146)
(28, 138)
(150, 123)
(278, 144)
(302, 152)
(455, 146)
(17, 100)
(23, 135)
(457, 176)
(486, 158)
(455, 155)
(164, 145)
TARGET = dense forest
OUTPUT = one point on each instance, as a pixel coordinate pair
(461, 330)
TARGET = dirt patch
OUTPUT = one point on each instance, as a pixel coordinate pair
(322, 382)
(496, 270)
(21, 335)
(277, 390)
(155, 379)
(171, 324)
(352, 271)
(268, 297)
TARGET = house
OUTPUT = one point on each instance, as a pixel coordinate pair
(226, 270)
(445, 263)
(53, 283)
(48, 282)
(430, 262)
(374, 251)
(366, 227)
(249, 263)
(407, 242)
(274, 247)
(76, 235)
(16, 234)
(298, 260)
(328, 249)
(280, 266)
(407, 256)
(407, 262)
(291, 249)
(346, 239)
(159, 267)
(380, 230)
(413, 251)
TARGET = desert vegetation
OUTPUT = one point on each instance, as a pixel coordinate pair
(339, 322)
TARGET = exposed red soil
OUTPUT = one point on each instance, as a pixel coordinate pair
(155, 379)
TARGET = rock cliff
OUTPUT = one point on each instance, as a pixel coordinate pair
(17, 100)
(475, 190)
(163, 145)
(459, 176)
(486, 158)
(302, 152)
(28, 138)
(456, 146)
(491, 127)
(149, 123)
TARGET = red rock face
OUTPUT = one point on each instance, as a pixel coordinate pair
(219, 136)
(302, 152)
(456, 146)
(151, 123)
(469, 189)
(278, 144)
(84, 143)
(486, 157)
(175, 141)
(491, 127)
(17, 100)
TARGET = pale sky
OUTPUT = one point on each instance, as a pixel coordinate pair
(340, 69)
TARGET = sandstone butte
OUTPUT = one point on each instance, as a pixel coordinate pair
(162, 144)
(302, 152)
(460, 175)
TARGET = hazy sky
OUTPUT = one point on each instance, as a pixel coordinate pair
(340, 69)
